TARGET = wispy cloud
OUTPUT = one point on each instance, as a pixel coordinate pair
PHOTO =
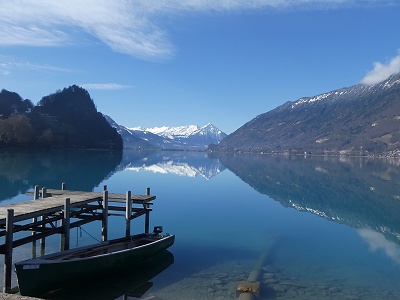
(125, 26)
(382, 71)
(122, 25)
(9, 64)
(104, 86)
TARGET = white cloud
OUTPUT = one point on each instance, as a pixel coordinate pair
(377, 241)
(104, 86)
(382, 71)
(119, 24)
(126, 26)
(9, 64)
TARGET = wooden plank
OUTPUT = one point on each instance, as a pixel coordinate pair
(138, 199)
(35, 208)
(112, 196)
(55, 203)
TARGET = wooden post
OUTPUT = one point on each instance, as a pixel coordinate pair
(33, 246)
(66, 222)
(128, 213)
(43, 240)
(36, 193)
(104, 228)
(147, 216)
(62, 242)
(34, 220)
(44, 192)
(8, 251)
(63, 186)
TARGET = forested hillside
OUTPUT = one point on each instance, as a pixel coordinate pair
(65, 119)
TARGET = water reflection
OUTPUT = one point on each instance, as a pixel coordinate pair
(21, 169)
(362, 193)
(218, 247)
(376, 242)
(181, 163)
(133, 282)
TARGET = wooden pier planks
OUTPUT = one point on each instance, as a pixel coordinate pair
(137, 199)
(39, 207)
(55, 200)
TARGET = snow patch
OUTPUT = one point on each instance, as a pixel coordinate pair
(319, 141)
(313, 99)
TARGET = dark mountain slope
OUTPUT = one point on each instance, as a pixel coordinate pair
(356, 120)
(65, 119)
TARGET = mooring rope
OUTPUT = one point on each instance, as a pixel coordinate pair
(81, 229)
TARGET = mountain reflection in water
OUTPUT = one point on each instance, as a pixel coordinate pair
(181, 163)
(360, 192)
(218, 209)
(21, 169)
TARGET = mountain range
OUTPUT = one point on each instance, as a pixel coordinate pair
(191, 137)
(358, 120)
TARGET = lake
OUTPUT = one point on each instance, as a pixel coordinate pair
(320, 227)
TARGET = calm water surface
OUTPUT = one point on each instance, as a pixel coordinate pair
(329, 227)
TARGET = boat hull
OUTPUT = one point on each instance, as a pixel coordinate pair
(41, 275)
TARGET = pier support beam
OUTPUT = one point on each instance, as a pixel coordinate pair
(8, 251)
(147, 216)
(66, 223)
(43, 240)
(128, 213)
(34, 220)
(104, 231)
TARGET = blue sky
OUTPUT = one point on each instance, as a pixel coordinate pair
(173, 63)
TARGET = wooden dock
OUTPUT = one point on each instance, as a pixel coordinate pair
(57, 211)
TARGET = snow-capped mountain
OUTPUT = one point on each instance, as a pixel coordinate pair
(191, 137)
(181, 137)
(358, 120)
(181, 132)
(171, 132)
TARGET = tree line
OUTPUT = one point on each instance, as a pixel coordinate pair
(64, 119)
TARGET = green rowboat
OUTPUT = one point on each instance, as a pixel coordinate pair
(38, 276)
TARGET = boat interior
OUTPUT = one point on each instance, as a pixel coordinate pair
(105, 248)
